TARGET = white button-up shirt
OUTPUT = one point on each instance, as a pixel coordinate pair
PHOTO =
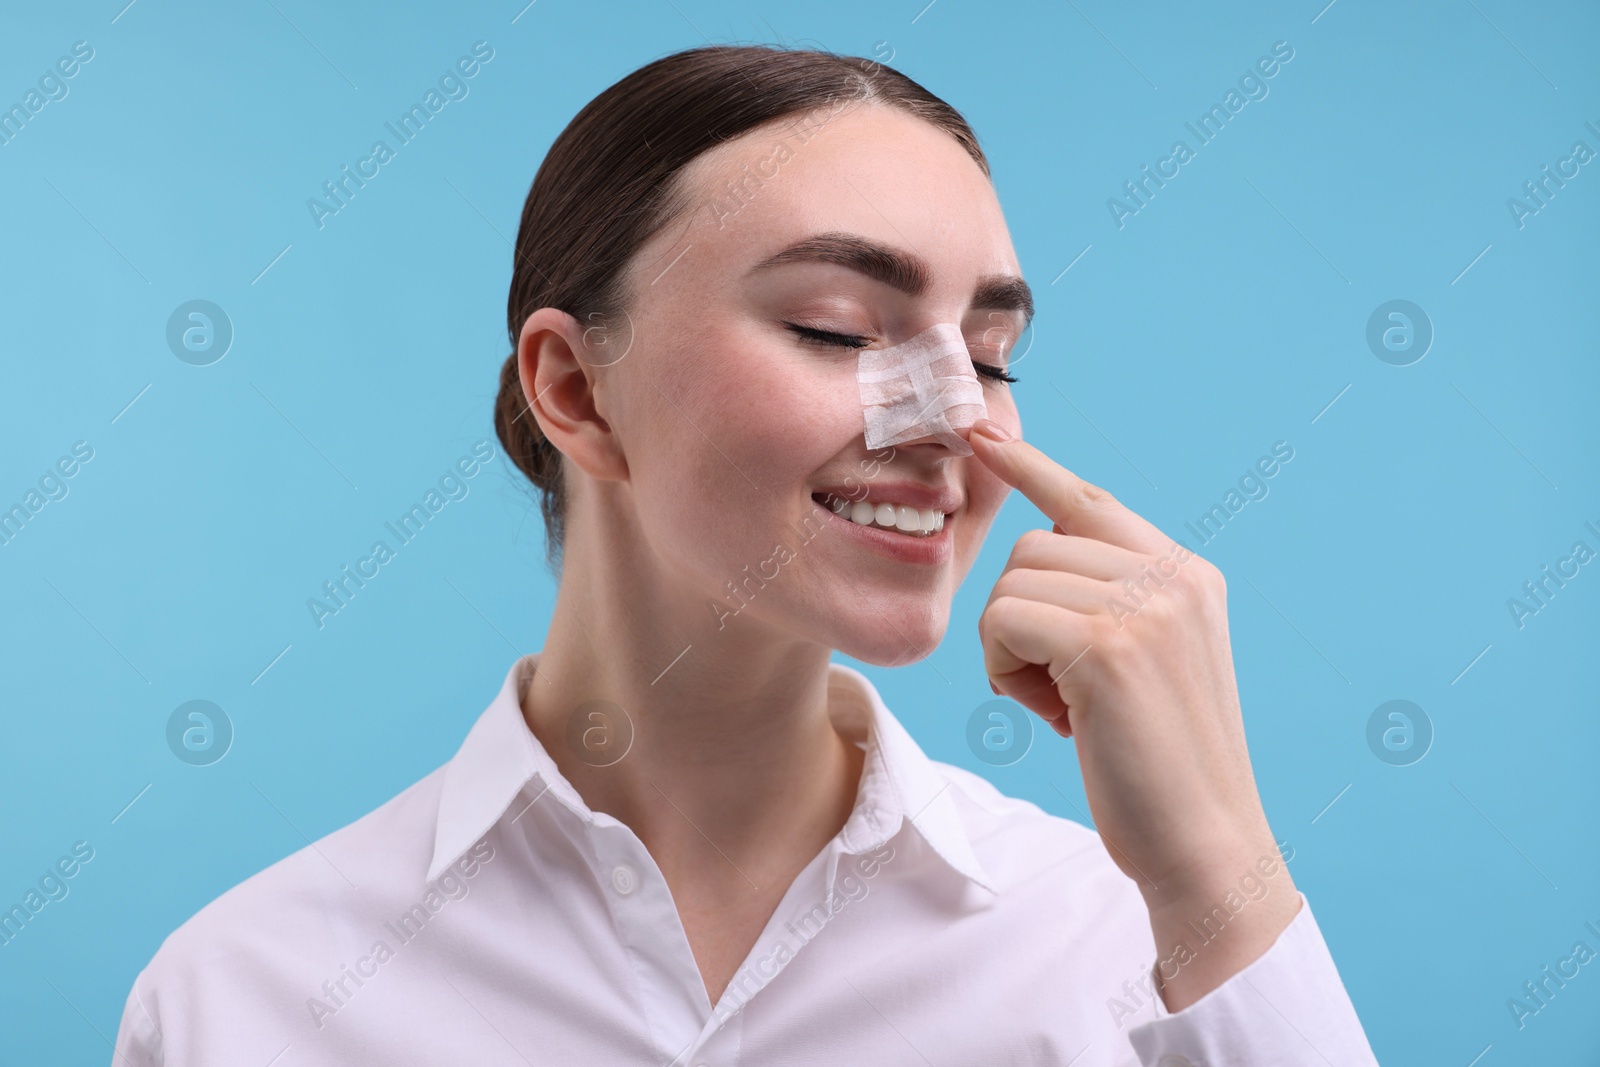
(486, 915)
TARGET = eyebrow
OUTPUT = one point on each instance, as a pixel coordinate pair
(908, 273)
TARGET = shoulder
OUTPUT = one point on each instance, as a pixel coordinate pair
(989, 810)
(1072, 921)
(264, 930)
(1059, 895)
(1019, 842)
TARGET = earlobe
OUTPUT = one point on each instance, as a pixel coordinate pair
(560, 386)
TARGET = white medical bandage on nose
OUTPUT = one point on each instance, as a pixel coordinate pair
(924, 387)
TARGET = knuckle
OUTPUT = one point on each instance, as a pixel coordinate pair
(1030, 545)
(1011, 606)
(1091, 496)
(1111, 640)
(996, 614)
(1005, 621)
(1005, 585)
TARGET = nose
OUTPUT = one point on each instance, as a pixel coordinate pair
(923, 389)
(956, 404)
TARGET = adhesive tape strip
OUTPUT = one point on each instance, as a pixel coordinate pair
(924, 387)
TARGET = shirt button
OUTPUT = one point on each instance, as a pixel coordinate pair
(623, 879)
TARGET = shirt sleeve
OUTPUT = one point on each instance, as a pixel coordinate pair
(138, 1039)
(1285, 1009)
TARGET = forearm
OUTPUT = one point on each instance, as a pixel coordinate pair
(1219, 922)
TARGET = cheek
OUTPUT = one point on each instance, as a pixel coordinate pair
(1001, 403)
(985, 493)
(788, 413)
(786, 418)
(730, 445)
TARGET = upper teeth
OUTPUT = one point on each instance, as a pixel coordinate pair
(921, 522)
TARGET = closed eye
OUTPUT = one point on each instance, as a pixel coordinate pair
(830, 339)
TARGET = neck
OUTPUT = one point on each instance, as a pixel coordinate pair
(734, 760)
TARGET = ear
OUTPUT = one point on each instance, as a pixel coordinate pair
(560, 363)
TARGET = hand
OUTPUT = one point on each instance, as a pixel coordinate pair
(1118, 637)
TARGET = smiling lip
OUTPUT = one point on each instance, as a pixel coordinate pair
(912, 493)
(931, 551)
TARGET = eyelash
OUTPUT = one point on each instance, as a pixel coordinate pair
(845, 340)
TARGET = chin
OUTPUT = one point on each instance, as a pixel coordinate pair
(899, 645)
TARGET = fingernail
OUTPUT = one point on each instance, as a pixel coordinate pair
(995, 688)
(990, 429)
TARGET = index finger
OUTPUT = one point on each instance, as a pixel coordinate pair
(1076, 506)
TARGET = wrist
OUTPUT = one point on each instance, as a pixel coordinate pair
(1214, 921)
(1228, 862)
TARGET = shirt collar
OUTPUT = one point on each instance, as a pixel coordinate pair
(899, 783)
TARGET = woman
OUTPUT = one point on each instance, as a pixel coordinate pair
(679, 834)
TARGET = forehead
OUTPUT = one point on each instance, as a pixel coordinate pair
(862, 169)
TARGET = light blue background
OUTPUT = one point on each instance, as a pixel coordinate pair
(1226, 315)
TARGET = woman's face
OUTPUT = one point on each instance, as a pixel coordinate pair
(731, 423)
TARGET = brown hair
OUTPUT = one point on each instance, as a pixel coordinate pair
(611, 180)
